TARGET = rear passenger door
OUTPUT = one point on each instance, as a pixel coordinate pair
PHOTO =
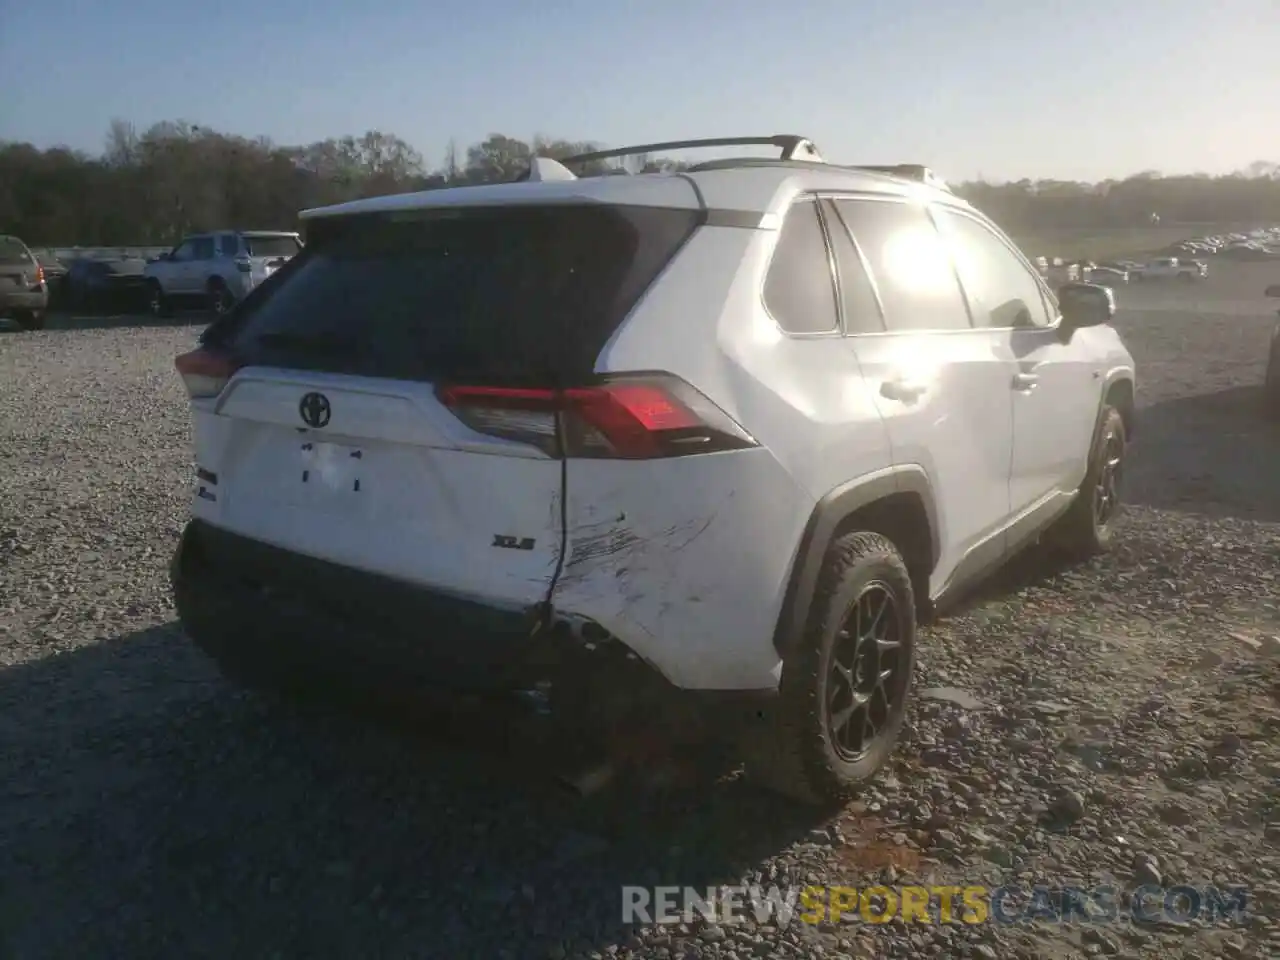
(812, 366)
(941, 386)
(1056, 386)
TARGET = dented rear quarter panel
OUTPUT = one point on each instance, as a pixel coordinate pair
(686, 561)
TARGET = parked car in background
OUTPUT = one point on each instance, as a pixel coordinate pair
(117, 283)
(55, 274)
(1056, 271)
(216, 269)
(1249, 252)
(24, 294)
(1171, 268)
(1106, 276)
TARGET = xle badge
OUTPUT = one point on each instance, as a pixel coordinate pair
(513, 543)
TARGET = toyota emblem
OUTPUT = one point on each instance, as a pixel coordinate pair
(315, 410)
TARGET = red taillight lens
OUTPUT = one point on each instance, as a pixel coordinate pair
(630, 418)
(205, 372)
(39, 275)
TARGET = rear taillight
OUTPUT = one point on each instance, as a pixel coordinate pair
(630, 418)
(205, 372)
(39, 276)
(243, 264)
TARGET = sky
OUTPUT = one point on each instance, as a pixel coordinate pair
(999, 89)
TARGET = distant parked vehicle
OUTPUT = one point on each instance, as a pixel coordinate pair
(1171, 268)
(1106, 276)
(216, 269)
(94, 285)
(1056, 272)
(1249, 252)
(55, 273)
(24, 295)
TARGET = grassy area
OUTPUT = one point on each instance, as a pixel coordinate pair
(1096, 244)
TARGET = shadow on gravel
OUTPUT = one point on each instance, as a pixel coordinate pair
(1213, 454)
(150, 810)
(58, 322)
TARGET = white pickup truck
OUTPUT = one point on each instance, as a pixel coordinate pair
(217, 269)
(1170, 268)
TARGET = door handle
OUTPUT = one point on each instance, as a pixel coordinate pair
(1025, 381)
(903, 390)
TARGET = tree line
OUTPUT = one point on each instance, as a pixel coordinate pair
(152, 186)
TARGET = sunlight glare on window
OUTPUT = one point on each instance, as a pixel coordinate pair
(916, 259)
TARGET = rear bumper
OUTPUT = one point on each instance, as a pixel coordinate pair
(11, 300)
(255, 606)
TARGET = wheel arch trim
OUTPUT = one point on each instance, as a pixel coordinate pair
(832, 509)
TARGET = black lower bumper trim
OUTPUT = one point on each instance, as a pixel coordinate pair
(243, 599)
(262, 610)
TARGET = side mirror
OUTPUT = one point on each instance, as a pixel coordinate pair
(1273, 290)
(1085, 305)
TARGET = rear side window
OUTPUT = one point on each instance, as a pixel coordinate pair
(1002, 291)
(909, 260)
(512, 294)
(228, 245)
(271, 246)
(857, 293)
(13, 250)
(799, 289)
(202, 248)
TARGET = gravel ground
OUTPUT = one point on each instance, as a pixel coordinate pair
(1124, 726)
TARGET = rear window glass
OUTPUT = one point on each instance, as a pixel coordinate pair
(13, 251)
(511, 294)
(271, 246)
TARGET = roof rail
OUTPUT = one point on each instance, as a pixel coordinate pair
(908, 171)
(792, 146)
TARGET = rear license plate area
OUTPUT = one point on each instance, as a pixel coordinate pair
(331, 474)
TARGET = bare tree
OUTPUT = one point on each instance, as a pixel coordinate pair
(151, 186)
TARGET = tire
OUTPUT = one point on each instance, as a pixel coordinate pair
(220, 299)
(1088, 527)
(30, 319)
(158, 304)
(799, 751)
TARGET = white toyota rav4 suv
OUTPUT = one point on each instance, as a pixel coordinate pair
(701, 444)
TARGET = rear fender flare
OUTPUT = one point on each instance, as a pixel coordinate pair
(827, 516)
(1113, 377)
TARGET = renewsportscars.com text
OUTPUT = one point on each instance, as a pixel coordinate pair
(934, 904)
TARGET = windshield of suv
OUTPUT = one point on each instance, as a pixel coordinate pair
(259, 246)
(13, 250)
(509, 293)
